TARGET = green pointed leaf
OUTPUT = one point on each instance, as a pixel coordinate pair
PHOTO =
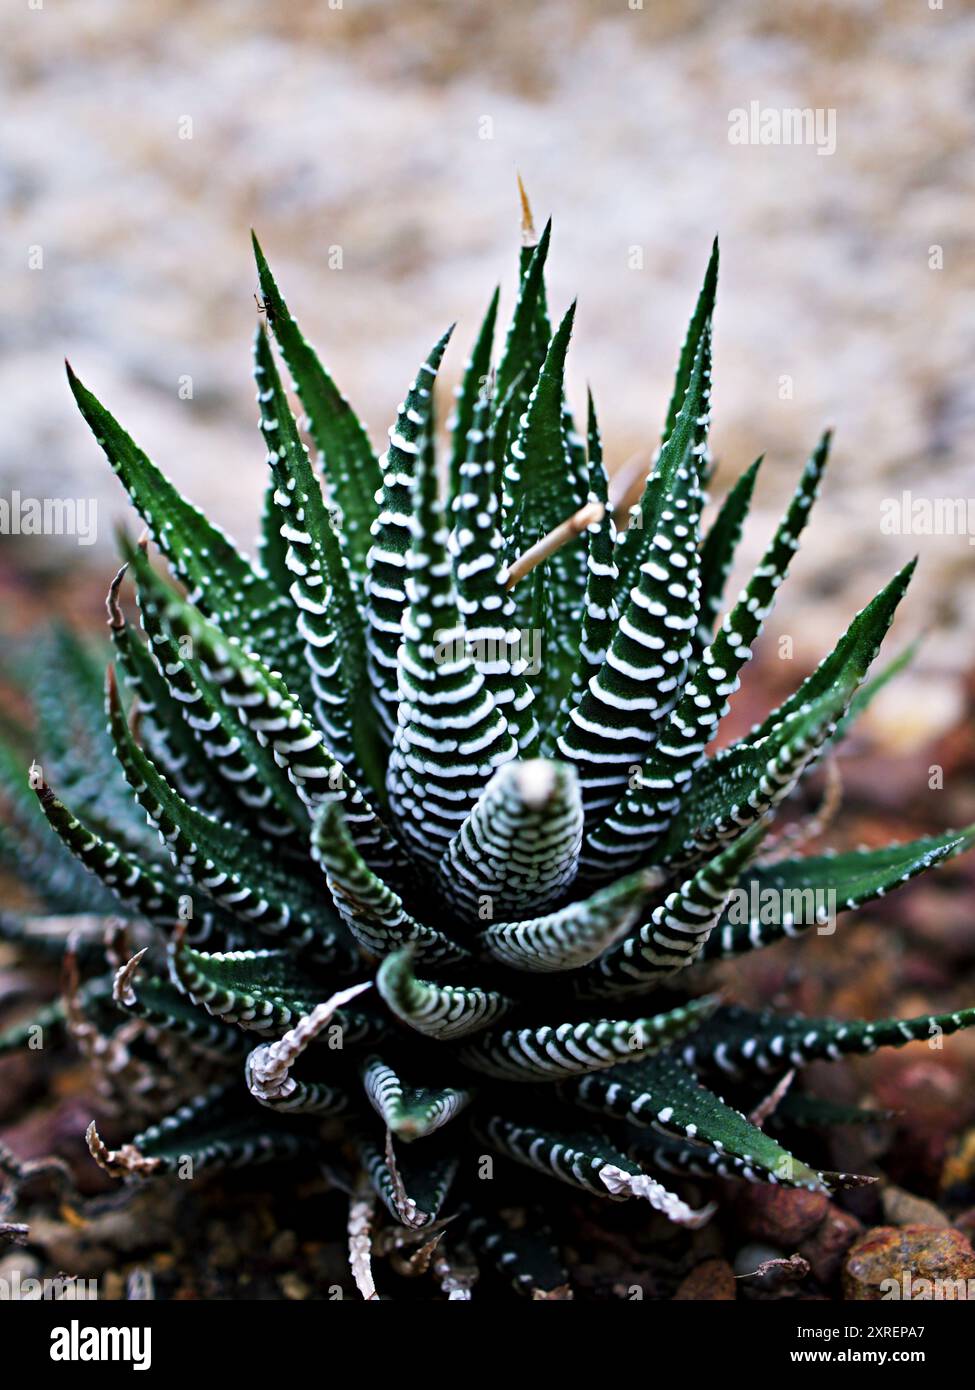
(618, 717)
(676, 932)
(700, 319)
(262, 700)
(542, 490)
(539, 490)
(741, 784)
(321, 588)
(523, 354)
(684, 449)
(164, 726)
(264, 991)
(542, 326)
(222, 746)
(661, 1092)
(476, 371)
(210, 1132)
(392, 536)
(741, 1044)
(437, 1011)
(588, 1161)
(450, 735)
(575, 935)
(684, 1158)
(227, 865)
(600, 610)
(486, 607)
(373, 912)
(571, 1049)
(138, 886)
(351, 472)
(788, 897)
(633, 827)
(411, 1112)
(718, 550)
(221, 580)
(413, 1188)
(519, 847)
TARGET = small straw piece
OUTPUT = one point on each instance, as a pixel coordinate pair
(528, 235)
(588, 515)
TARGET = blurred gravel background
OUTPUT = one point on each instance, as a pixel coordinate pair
(362, 127)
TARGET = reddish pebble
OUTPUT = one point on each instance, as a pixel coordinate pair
(908, 1261)
(826, 1248)
(710, 1281)
(781, 1215)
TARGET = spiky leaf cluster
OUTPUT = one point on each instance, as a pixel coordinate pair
(416, 817)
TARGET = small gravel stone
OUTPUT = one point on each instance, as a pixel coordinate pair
(711, 1281)
(904, 1209)
(906, 1255)
(782, 1216)
(826, 1248)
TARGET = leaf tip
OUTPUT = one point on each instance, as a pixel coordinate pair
(116, 618)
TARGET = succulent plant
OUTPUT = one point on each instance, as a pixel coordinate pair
(415, 822)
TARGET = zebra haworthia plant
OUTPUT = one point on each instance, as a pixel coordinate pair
(440, 841)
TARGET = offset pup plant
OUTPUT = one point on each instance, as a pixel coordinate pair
(440, 838)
